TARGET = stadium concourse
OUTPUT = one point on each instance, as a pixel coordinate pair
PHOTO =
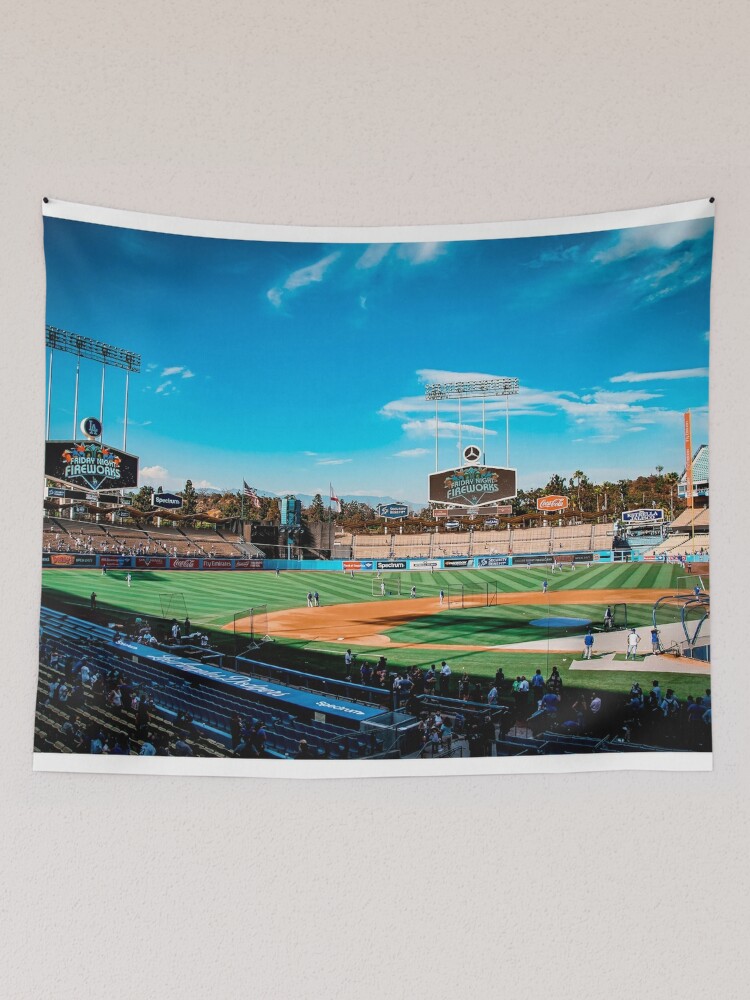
(155, 662)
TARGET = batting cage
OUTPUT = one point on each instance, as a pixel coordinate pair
(683, 621)
(463, 597)
(388, 585)
(173, 605)
(250, 628)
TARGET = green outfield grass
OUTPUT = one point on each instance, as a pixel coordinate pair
(211, 599)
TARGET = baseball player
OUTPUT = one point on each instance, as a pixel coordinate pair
(633, 640)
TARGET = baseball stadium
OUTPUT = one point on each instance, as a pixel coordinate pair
(569, 617)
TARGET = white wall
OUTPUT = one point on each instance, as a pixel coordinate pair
(622, 885)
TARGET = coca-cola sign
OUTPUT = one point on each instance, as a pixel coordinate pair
(177, 563)
(552, 502)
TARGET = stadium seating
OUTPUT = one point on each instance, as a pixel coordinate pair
(210, 707)
(371, 547)
(570, 537)
(699, 518)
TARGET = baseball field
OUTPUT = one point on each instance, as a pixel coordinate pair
(486, 618)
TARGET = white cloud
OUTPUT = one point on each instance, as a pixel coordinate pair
(310, 453)
(302, 277)
(604, 414)
(667, 376)
(166, 388)
(446, 428)
(420, 253)
(661, 237)
(188, 374)
(157, 475)
(333, 461)
(153, 472)
(411, 453)
(172, 370)
(373, 255)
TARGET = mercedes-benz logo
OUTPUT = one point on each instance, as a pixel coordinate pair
(471, 453)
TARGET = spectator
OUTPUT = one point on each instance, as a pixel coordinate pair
(537, 685)
(445, 678)
(303, 751)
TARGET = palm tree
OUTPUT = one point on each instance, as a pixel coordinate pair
(575, 480)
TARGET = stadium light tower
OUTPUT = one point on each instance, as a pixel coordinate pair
(92, 350)
(484, 389)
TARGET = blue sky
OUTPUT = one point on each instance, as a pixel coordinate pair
(293, 365)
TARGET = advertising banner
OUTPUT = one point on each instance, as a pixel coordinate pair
(391, 564)
(167, 501)
(178, 563)
(531, 560)
(90, 465)
(150, 562)
(352, 564)
(424, 564)
(552, 502)
(393, 510)
(248, 564)
(646, 515)
(217, 564)
(116, 562)
(483, 562)
(474, 486)
(456, 563)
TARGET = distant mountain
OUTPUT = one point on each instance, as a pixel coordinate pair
(371, 501)
(307, 498)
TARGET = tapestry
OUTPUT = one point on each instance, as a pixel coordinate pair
(326, 502)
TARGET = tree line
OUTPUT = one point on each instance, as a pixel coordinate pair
(607, 499)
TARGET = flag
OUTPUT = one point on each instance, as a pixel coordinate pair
(251, 494)
(335, 499)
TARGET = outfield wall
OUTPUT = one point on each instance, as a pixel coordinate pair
(74, 560)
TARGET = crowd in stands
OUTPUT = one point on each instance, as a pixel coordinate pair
(105, 712)
(89, 538)
(538, 703)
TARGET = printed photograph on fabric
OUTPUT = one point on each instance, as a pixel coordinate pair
(376, 501)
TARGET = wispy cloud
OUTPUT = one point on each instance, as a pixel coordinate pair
(180, 370)
(301, 278)
(666, 376)
(602, 414)
(373, 255)
(411, 453)
(166, 388)
(310, 453)
(445, 428)
(420, 253)
(333, 461)
(631, 242)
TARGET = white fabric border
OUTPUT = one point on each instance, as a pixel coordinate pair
(295, 769)
(227, 767)
(680, 212)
